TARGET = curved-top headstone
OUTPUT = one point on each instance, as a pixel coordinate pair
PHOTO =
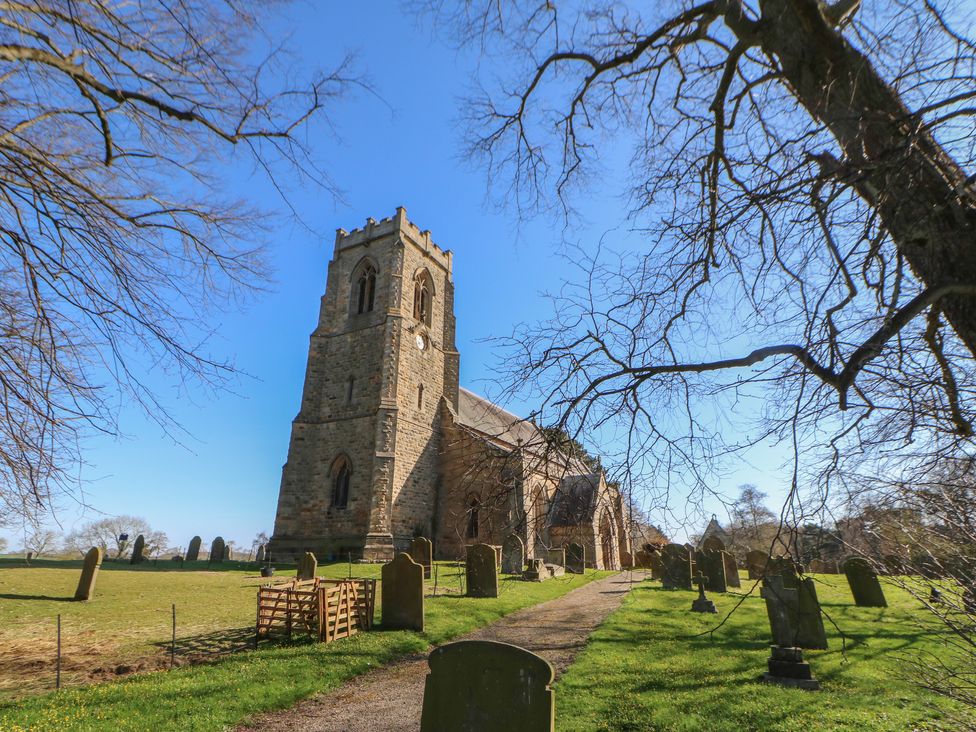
(217, 547)
(513, 555)
(487, 686)
(756, 561)
(676, 567)
(402, 593)
(575, 558)
(259, 557)
(731, 570)
(713, 543)
(89, 572)
(137, 549)
(481, 571)
(226, 552)
(193, 551)
(864, 583)
(711, 563)
(422, 552)
(308, 567)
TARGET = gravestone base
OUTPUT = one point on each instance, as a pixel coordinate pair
(556, 570)
(537, 571)
(703, 605)
(787, 668)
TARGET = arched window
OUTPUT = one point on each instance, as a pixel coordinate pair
(423, 297)
(364, 287)
(474, 508)
(340, 482)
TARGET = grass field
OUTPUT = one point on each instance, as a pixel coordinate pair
(653, 675)
(128, 624)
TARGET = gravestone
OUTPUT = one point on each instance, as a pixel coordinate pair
(217, 547)
(481, 571)
(575, 558)
(702, 604)
(731, 570)
(308, 567)
(487, 686)
(786, 568)
(513, 555)
(711, 563)
(556, 556)
(864, 583)
(642, 559)
(89, 572)
(786, 666)
(422, 552)
(713, 543)
(226, 556)
(756, 563)
(402, 590)
(537, 571)
(810, 631)
(676, 567)
(193, 551)
(137, 550)
(259, 557)
(657, 566)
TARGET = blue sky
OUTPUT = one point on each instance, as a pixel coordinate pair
(401, 147)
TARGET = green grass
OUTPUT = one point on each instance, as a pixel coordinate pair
(133, 607)
(642, 670)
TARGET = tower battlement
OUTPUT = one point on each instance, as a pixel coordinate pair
(396, 224)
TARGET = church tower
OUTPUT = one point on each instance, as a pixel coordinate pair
(363, 460)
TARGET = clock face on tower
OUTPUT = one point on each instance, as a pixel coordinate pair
(421, 341)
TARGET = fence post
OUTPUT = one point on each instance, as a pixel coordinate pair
(172, 647)
(57, 677)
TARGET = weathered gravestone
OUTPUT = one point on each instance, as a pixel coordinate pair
(864, 583)
(786, 568)
(308, 567)
(217, 547)
(731, 570)
(810, 631)
(193, 551)
(513, 555)
(537, 571)
(422, 552)
(756, 563)
(711, 563)
(556, 556)
(801, 615)
(786, 666)
(137, 550)
(676, 567)
(259, 557)
(89, 572)
(226, 556)
(481, 571)
(657, 566)
(575, 558)
(713, 543)
(402, 590)
(486, 686)
(702, 604)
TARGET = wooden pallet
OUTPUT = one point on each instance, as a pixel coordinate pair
(325, 609)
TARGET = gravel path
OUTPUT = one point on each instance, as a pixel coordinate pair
(389, 699)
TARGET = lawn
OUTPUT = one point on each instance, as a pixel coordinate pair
(653, 675)
(129, 624)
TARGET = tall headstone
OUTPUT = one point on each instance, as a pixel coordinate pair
(89, 573)
(259, 557)
(810, 632)
(137, 550)
(676, 567)
(575, 558)
(513, 555)
(481, 571)
(402, 591)
(756, 561)
(193, 551)
(422, 552)
(731, 570)
(786, 666)
(217, 549)
(486, 686)
(308, 567)
(864, 583)
(711, 563)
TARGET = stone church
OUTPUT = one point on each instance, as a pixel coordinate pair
(387, 446)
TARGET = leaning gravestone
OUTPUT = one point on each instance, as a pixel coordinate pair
(711, 563)
(422, 552)
(486, 686)
(864, 583)
(756, 563)
(575, 558)
(89, 572)
(308, 567)
(810, 631)
(217, 547)
(481, 571)
(259, 557)
(193, 551)
(786, 666)
(137, 550)
(402, 593)
(731, 570)
(676, 567)
(513, 555)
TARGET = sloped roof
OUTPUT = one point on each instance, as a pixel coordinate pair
(479, 414)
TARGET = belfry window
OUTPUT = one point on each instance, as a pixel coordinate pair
(423, 291)
(366, 291)
(474, 508)
(340, 482)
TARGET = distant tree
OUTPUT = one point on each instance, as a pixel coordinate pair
(3, 545)
(117, 236)
(752, 525)
(107, 534)
(40, 541)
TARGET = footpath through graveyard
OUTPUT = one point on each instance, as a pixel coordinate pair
(390, 699)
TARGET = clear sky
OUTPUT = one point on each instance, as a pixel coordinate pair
(401, 147)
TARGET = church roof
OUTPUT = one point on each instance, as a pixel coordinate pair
(479, 414)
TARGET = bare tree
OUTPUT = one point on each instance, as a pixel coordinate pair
(116, 238)
(108, 533)
(40, 541)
